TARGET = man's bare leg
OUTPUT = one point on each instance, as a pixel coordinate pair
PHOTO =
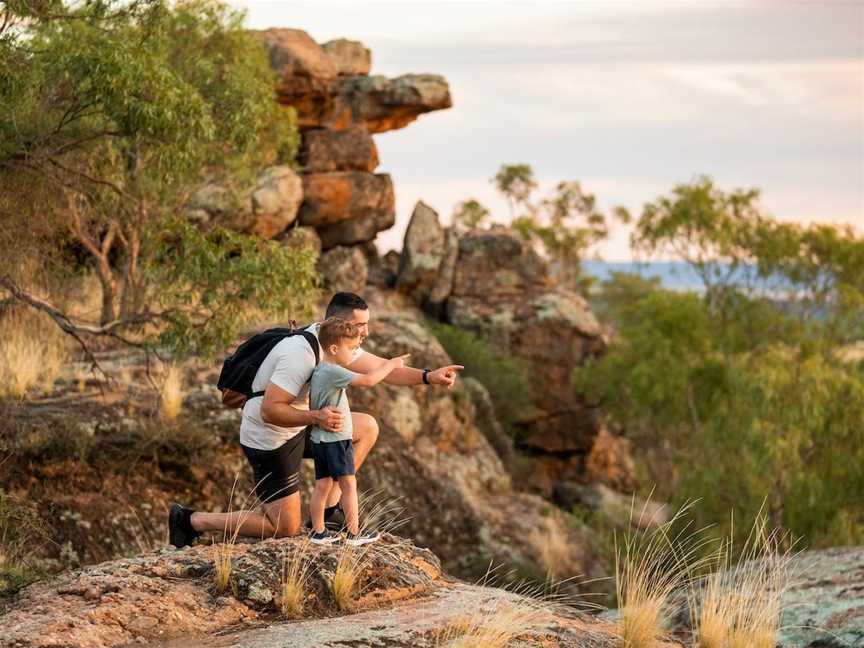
(280, 518)
(365, 435)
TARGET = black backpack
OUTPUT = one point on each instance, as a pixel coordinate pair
(239, 369)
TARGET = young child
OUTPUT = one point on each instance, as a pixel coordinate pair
(333, 452)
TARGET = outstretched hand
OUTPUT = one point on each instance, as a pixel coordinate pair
(445, 376)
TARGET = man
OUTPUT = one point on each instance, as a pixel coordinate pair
(274, 432)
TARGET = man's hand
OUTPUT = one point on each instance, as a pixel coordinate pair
(445, 376)
(328, 418)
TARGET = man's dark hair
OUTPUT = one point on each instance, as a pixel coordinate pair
(343, 304)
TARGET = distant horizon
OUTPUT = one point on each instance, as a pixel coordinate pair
(628, 99)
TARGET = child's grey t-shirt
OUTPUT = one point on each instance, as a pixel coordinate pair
(327, 387)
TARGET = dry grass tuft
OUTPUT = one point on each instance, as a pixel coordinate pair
(649, 566)
(295, 580)
(345, 584)
(552, 547)
(740, 604)
(222, 563)
(32, 352)
(171, 398)
(494, 625)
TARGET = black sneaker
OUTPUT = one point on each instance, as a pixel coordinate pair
(180, 531)
(362, 538)
(324, 537)
(334, 519)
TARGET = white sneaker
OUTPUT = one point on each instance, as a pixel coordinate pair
(362, 538)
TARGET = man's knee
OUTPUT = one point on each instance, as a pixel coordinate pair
(365, 428)
(284, 516)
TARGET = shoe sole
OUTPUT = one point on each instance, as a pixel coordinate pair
(176, 536)
(362, 541)
(324, 541)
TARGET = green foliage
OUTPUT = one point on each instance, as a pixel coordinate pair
(470, 214)
(111, 113)
(516, 182)
(505, 377)
(743, 392)
(208, 280)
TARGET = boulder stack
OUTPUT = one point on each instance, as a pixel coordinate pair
(338, 107)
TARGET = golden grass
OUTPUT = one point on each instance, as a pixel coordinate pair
(552, 546)
(740, 604)
(32, 352)
(222, 562)
(345, 584)
(494, 625)
(171, 398)
(649, 566)
(295, 580)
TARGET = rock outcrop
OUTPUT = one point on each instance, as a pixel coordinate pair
(823, 605)
(169, 599)
(339, 105)
(494, 283)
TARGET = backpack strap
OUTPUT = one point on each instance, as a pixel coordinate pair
(313, 342)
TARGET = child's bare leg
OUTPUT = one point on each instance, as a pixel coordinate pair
(348, 483)
(319, 498)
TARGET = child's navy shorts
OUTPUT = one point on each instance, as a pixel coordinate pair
(333, 459)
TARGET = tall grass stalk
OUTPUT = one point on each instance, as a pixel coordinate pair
(296, 570)
(222, 562)
(650, 564)
(740, 604)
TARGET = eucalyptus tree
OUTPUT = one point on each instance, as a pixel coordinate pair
(111, 113)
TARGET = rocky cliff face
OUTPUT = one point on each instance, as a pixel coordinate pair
(493, 283)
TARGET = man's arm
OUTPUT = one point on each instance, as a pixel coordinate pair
(276, 409)
(368, 362)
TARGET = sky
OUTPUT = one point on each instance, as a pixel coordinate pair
(628, 98)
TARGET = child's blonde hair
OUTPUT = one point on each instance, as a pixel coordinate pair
(335, 329)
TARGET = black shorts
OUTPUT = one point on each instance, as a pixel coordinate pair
(334, 459)
(277, 472)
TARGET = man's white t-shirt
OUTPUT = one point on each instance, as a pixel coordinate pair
(289, 366)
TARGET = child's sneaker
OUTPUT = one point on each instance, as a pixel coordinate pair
(324, 537)
(364, 537)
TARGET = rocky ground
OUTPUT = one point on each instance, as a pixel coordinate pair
(169, 598)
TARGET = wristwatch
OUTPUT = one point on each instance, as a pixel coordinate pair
(426, 376)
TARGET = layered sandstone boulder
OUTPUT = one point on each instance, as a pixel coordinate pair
(339, 105)
(330, 87)
(349, 57)
(324, 150)
(347, 207)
